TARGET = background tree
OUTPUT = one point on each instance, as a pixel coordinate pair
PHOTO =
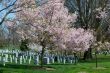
(90, 14)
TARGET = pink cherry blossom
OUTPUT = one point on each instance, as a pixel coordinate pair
(50, 23)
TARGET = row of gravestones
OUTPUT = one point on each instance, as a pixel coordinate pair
(103, 52)
(60, 59)
(31, 57)
(17, 57)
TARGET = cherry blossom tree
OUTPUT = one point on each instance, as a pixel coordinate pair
(42, 20)
(49, 25)
(91, 14)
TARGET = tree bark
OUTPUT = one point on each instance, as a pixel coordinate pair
(96, 59)
(88, 54)
(75, 58)
(42, 55)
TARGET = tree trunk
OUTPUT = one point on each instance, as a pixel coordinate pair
(88, 54)
(75, 58)
(96, 59)
(42, 55)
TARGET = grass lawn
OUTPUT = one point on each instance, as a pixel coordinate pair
(81, 67)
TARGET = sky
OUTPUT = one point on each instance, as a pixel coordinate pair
(4, 12)
(10, 16)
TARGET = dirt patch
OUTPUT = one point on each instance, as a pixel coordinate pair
(44, 68)
(50, 69)
(100, 68)
(82, 72)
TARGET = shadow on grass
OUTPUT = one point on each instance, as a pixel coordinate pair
(31, 67)
(16, 66)
(100, 60)
(62, 64)
(1, 70)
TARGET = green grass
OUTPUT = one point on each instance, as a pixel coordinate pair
(81, 67)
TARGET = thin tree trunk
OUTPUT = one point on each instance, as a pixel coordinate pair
(75, 58)
(96, 59)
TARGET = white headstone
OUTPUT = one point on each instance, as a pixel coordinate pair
(11, 59)
(16, 60)
(64, 60)
(71, 61)
(16, 54)
(4, 59)
(30, 59)
(0, 58)
(53, 60)
(58, 59)
(21, 60)
(37, 60)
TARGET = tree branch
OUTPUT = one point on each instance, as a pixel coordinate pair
(5, 17)
(8, 6)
